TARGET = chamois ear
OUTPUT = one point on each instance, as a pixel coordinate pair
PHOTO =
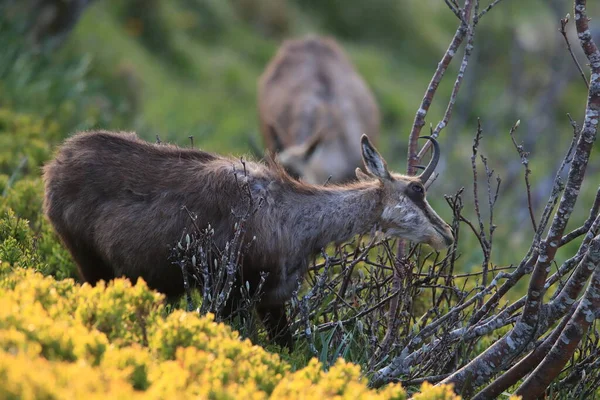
(312, 144)
(275, 134)
(361, 176)
(374, 163)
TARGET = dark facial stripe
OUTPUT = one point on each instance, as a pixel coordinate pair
(419, 200)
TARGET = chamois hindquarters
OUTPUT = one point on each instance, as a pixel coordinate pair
(101, 196)
(60, 209)
(89, 263)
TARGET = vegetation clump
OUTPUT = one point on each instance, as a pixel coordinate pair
(59, 339)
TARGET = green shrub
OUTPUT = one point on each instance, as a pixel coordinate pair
(25, 199)
(40, 249)
(57, 261)
(16, 242)
(25, 141)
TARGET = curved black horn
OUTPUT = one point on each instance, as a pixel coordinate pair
(434, 160)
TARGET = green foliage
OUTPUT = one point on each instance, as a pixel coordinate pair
(16, 242)
(26, 237)
(26, 142)
(56, 259)
(57, 89)
(270, 18)
(394, 22)
(39, 249)
(148, 21)
(25, 199)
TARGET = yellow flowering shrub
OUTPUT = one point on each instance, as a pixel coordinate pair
(442, 392)
(36, 309)
(133, 363)
(342, 381)
(122, 311)
(23, 377)
(59, 339)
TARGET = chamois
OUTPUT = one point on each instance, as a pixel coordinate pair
(313, 109)
(117, 203)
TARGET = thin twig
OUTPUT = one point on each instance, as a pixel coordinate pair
(453, 9)
(419, 121)
(525, 161)
(487, 9)
(563, 24)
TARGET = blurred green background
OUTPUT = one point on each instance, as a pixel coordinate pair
(183, 68)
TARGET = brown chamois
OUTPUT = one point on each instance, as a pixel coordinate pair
(313, 109)
(116, 202)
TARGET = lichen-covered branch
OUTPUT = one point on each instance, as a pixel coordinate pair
(525, 161)
(568, 294)
(523, 367)
(504, 351)
(526, 265)
(586, 225)
(565, 346)
(465, 27)
(563, 24)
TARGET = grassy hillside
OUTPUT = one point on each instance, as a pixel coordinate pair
(210, 91)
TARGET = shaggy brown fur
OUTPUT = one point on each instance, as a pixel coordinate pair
(116, 202)
(313, 109)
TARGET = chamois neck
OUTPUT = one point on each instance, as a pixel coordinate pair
(336, 214)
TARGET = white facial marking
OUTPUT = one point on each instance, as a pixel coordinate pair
(405, 219)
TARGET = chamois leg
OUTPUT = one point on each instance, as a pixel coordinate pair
(276, 323)
(91, 267)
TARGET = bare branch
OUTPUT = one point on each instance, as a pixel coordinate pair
(570, 337)
(419, 121)
(586, 225)
(523, 367)
(330, 325)
(457, 83)
(525, 161)
(454, 9)
(488, 8)
(563, 24)
(577, 281)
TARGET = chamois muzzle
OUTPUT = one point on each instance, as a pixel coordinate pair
(434, 160)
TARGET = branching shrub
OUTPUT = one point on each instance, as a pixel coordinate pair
(216, 274)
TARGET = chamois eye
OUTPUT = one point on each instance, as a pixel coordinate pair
(417, 188)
